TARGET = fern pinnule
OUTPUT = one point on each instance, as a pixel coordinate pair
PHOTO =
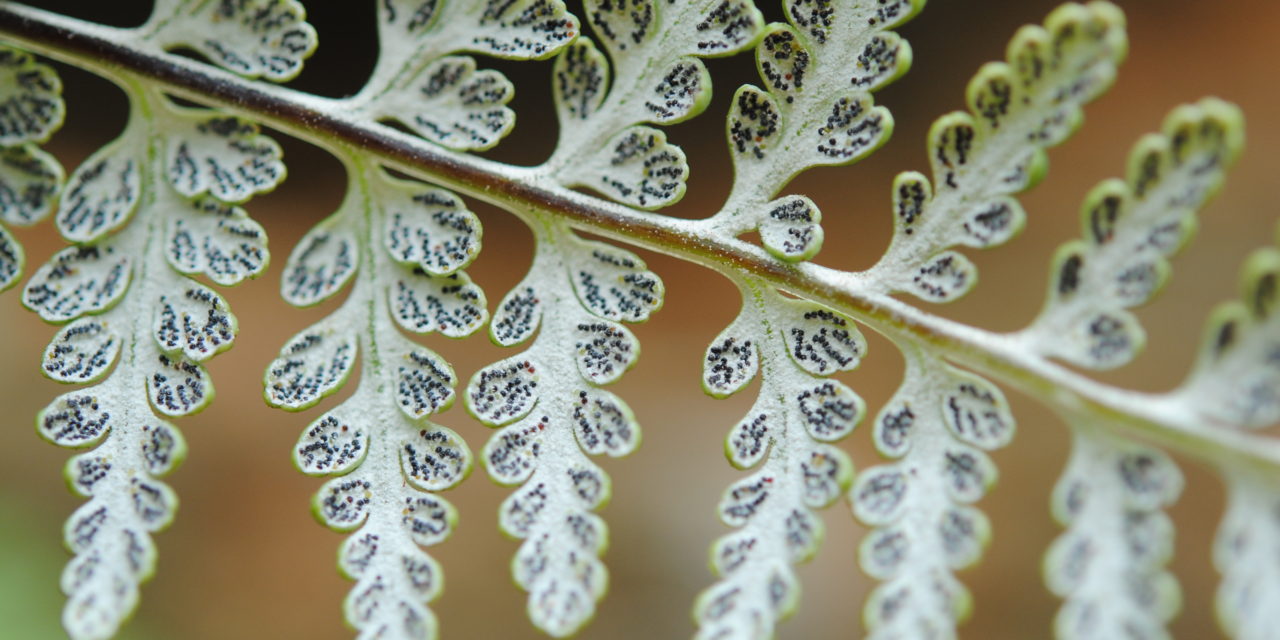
(267, 39)
(787, 433)
(657, 78)
(149, 211)
(1236, 380)
(403, 243)
(129, 306)
(547, 398)
(981, 157)
(938, 425)
(442, 97)
(32, 110)
(433, 236)
(1129, 228)
(812, 113)
(1113, 489)
(1236, 384)
(819, 71)
(553, 414)
(30, 179)
(1244, 553)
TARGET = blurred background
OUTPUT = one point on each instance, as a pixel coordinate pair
(245, 559)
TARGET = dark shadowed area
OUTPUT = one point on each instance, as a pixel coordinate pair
(245, 558)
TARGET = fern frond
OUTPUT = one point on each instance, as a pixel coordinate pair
(1109, 564)
(939, 425)
(131, 308)
(816, 109)
(657, 78)
(855, 294)
(553, 414)
(794, 345)
(1130, 227)
(403, 243)
(981, 157)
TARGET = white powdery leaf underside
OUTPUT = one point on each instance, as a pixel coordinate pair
(552, 415)
(924, 528)
(140, 332)
(981, 157)
(266, 39)
(794, 344)
(386, 457)
(657, 78)
(31, 109)
(386, 461)
(1113, 491)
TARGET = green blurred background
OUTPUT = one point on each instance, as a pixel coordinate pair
(244, 558)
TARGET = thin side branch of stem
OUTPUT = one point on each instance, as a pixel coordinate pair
(1163, 419)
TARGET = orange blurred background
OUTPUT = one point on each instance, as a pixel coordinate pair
(245, 559)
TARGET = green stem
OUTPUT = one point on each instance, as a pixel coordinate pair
(1163, 419)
